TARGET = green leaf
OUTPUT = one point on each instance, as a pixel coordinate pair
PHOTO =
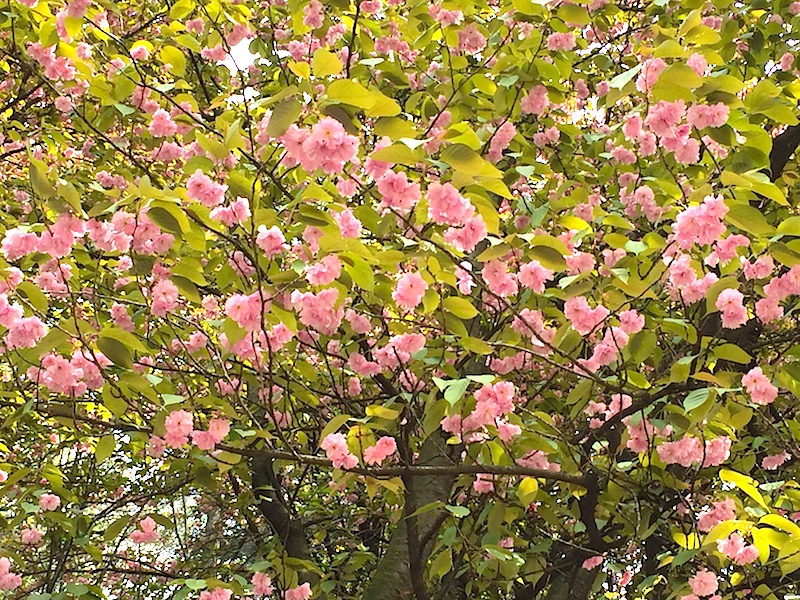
(458, 511)
(620, 81)
(460, 307)
(113, 530)
(790, 227)
(282, 116)
(126, 337)
(382, 412)
(442, 564)
(476, 345)
(168, 216)
(115, 351)
(751, 220)
(396, 154)
(361, 272)
(333, 425)
(33, 294)
(464, 159)
(351, 93)
(196, 584)
(105, 447)
(573, 14)
(549, 257)
(782, 523)
(695, 399)
(39, 181)
(170, 399)
(732, 353)
(455, 391)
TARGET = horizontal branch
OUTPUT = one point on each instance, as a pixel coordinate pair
(414, 470)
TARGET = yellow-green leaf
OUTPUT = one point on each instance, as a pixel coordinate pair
(325, 63)
(460, 307)
(527, 490)
(744, 483)
(173, 56)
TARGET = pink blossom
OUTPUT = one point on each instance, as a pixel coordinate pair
(409, 291)
(271, 240)
(724, 510)
(498, 279)
(760, 269)
(700, 224)
(759, 387)
(698, 63)
(328, 147)
(536, 102)
(216, 53)
(8, 580)
(146, 534)
(301, 592)
(534, 276)
(262, 584)
(734, 548)
(702, 116)
(25, 333)
(663, 118)
(500, 140)
(470, 40)
(483, 484)
(335, 447)
(631, 321)
(383, 448)
(592, 562)
(349, 225)
(195, 25)
(467, 237)
(772, 462)
(313, 15)
(689, 450)
(651, 69)
(164, 298)
(178, 425)
(238, 212)
(162, 124)
(49, 502)
(246, 311)
(319, 311)
(583, 318)
(445, 17)
(219, 593)
(398, 192)
(684, 452)
(31, 536)
(447, 206)
(734, 314)
(324, 272)
(560, 41)
(203, 189)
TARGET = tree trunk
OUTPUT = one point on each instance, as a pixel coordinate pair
(392, 578)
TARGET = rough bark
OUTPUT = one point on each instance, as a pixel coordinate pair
(272, 505)
(783, 146)
(573, 585)
(392, 578)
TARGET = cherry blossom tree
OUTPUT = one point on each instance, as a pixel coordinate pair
(392, 300)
